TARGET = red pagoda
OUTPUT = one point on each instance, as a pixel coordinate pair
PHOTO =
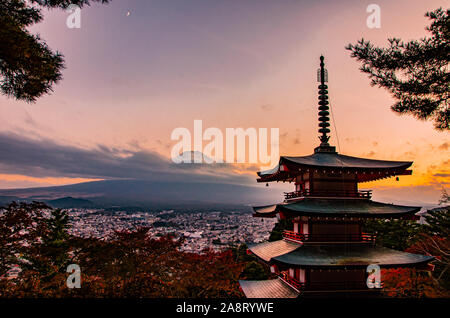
(327, 253)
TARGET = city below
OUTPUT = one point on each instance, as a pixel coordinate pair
(200, 230)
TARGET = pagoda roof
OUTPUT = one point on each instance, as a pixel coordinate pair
(272, 288)
(268, 250)
(337, 255)
(371, 169)
(355, 255)
(336, 207)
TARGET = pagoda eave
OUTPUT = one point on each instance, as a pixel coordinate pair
(325, 207)
(363, 175)
(272, 288)
(354, 256)
(329, 256)
(268, 250)
(364, 169)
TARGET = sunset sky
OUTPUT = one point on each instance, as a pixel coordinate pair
(133, 78)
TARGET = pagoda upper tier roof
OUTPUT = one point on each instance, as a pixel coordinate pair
(342, 255)
(273, 288)
(366, 169)
(336, 208)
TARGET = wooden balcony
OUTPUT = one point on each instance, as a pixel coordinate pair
(341, 238)
(284, 276)
(361, 194)
(325, 286)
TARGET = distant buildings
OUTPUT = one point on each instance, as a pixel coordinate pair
(200, 230)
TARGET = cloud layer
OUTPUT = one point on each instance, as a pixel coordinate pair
(45, 158)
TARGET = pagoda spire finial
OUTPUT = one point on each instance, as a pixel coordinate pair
(322, 77)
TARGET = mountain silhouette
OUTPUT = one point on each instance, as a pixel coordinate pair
(142, 193)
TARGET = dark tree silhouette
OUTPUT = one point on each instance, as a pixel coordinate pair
(277, 231)
(21, 226)
(396, 234)
(49, 254)
(28, 67)
(416, 73)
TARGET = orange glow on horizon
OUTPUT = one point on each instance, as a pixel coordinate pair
(45, 181)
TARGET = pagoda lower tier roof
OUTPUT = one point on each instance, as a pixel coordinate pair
(370, 169)
(273, 288)
(333, 207)
(268, 250)
(340, 255)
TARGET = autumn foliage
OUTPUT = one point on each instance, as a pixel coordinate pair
(131, 264)
(431, 238)
(410, 283)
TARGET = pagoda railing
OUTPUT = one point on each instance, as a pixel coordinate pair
(363, 194)
(360, 238)
(328, 285)
(291, 281)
